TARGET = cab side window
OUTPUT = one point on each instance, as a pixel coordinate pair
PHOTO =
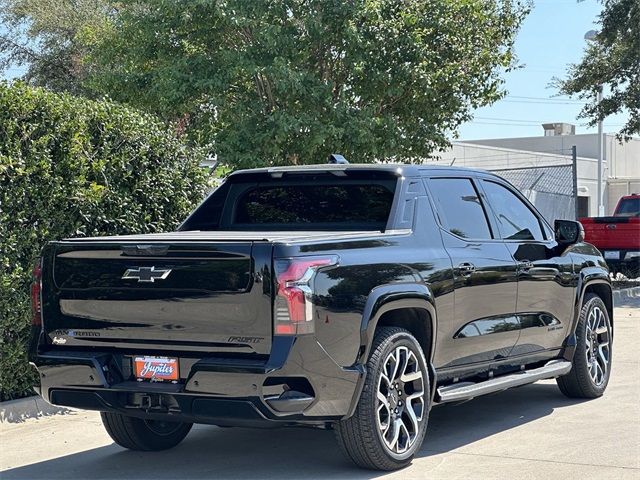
(459, 208)
(515, 219)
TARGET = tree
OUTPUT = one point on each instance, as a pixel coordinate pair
(611, 61)
(45, 36)
(75, 167)
(290, 81)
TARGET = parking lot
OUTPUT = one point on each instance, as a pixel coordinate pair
(532, 432)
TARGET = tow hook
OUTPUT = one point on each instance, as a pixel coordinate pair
(145, 402)
(153, 403)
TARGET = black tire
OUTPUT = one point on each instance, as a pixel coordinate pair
(578, 383)
(359, 437)
(146, 435)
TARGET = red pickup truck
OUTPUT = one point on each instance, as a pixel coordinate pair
(618, 236)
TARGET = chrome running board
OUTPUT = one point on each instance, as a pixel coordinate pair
(468, 390)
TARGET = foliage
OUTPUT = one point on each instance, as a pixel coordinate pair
(612, 60)
(45, 36)
(74, 167)
(287, 82)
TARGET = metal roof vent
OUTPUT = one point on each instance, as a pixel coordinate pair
(558, 128)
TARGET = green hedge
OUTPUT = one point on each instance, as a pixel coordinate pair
(74, 167)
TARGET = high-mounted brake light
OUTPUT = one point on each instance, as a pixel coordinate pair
(293, 303)
(36, 294)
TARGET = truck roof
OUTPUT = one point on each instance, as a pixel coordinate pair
(398, 169)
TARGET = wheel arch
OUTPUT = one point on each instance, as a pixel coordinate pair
(603, 290)
(410, 306)
(591, 280)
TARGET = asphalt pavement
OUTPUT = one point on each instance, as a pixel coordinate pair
(532, 432)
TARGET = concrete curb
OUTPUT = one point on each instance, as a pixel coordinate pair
(17, 411)
(620, 297)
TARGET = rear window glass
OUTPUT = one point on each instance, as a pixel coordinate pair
(316, 206)
(629, 207)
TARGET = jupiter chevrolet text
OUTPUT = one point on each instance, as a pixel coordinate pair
(347, 297)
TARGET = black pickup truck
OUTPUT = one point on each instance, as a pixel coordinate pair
(349, 297)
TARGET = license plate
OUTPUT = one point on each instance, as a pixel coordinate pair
(612, 255)
(156, 369)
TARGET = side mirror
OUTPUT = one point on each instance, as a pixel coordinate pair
(568, 232)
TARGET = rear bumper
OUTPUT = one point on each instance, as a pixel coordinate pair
(221, 391)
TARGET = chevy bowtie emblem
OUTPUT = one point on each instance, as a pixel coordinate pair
(146, 274)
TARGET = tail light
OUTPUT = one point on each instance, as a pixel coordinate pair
(36, 295)
(294, 315)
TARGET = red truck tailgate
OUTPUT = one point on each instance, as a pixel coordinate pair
(621, 233)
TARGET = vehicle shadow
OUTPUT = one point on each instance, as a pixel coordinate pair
(211, 452)
(455, 425)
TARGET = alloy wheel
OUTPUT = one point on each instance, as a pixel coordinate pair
(401, 403)
(598, 348)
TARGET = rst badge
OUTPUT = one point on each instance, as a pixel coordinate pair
(146, 274)
(156, 369)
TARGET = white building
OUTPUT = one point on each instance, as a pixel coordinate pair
(621, 162)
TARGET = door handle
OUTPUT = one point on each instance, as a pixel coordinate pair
(525, 265)
(466, 268)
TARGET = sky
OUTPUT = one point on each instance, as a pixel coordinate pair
(551, 38)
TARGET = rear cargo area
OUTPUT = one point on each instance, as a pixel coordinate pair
(173, 295)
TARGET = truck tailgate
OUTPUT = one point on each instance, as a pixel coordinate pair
(612, 232)
(178, 296)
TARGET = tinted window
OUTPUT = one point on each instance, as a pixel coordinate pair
(515, 219)
(317, 206)
(629, 207)
(459, 207)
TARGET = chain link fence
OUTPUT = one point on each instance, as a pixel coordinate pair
(551, 188)
(547, 179)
